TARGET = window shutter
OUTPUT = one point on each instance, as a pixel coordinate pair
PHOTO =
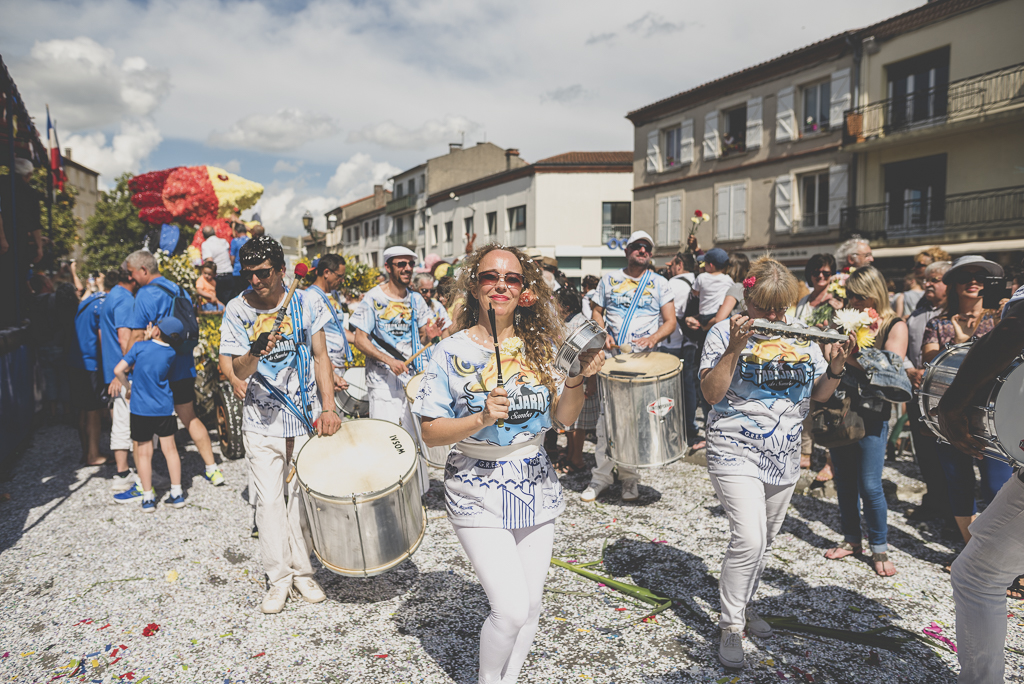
(838, 190)
(711, 143)
(783, 204)
(755, 116)
(784, 116)
(674, 216)
(653, 153)
(661, 226)
(722, 214)
(840, 100)
(738, 219)
(686, 142)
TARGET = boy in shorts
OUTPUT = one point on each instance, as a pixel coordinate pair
(152, 410)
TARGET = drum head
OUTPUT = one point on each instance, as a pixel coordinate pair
(1009, 407)
(641, 364)
(356, 379)
(363, 456)
(412, 387)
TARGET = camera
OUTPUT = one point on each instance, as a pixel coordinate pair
(996, 290)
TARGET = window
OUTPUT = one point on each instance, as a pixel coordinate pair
(814, 199)
(517, 226)
(918, 88)
(412, 186)
(615, 220)
(375, 228)
(468, 225)
(399, 190)
(437, 236)
(366, 230)
(817, 99)
(731, 212)
(492, 223)
(373, 259)
(673, 137)
(448, 231)
(399, 225)
(915, 191)
(735, 130)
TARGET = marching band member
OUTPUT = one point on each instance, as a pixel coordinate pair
(635, 305)
(760, 390)
(425, 284)
(995, 553)
(330, 272)
(290, 378)
(501, 491)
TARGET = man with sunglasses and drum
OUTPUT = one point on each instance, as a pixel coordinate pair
(290, 398)
(995, 554)
(635, 305)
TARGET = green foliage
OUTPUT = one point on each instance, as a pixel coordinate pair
(64, 236)
(178, 269)
(359, 277)
(115, 230)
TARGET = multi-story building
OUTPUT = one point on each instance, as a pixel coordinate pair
(85, 181)
(405, 210)
(360, 228)
(937, 130)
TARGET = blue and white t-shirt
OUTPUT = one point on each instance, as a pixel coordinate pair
(150, 362)
(262, 412)
(392, 321)
(440, 316)
(755, 429)
(337, 345)
(615, 295)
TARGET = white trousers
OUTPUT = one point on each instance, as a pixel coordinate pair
(391, 404)
(981, 574)
(120, 427)
(756, 512)
(511, 566)
(602, 472)
(285, 542)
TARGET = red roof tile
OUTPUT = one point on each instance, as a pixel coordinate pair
(588, 159)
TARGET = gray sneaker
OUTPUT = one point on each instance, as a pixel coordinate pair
(730, 648)
(592, 492)
(757, 626)
(629, 490)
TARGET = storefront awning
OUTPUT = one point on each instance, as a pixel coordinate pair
(955, 248)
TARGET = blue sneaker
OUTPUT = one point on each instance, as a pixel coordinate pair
(148, 505)
(129, 495)
(175, 501)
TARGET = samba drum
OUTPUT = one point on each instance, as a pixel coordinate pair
(355, 401)
(643, 408)
(361, 491)
(437, 457)
(583, 338)
(996, 411)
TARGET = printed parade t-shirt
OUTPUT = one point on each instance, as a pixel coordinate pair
(615, 295)
(262, 412)
(440, 315)
(337, 345)
(755, 429)
(392, 321)
(116, 313)
(87, 326)
(153, 302)
(150, 362)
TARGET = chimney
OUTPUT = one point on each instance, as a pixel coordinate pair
(67, 153)
(509, 153)
(378, 195)
(453, 147)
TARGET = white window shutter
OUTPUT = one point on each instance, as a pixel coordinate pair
(686, 142)
(838, 190)
(783, 204)
(661, 226)
(674, 218)
(722, 211)
(653, 152)
(712, 148)
(755, 117)
(840, 100)
(738, 219)
(785, 118)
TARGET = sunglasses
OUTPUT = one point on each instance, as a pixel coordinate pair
(853, 295)
(934, 280)
(636, 247)
(261, 273)
(513, 281)
(403, 264)
(431, 290)
(822, 273)
(969, 276)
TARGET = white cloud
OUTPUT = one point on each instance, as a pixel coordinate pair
(126, 150)
(234, 166)
(652, 24)
(564, 95)
(282, 131)
(285, 166)
(356, 177)
(389, 134)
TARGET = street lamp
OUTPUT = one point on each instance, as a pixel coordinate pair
(307, 222)
(332, 222)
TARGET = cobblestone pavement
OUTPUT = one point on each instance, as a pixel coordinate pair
(81, 579)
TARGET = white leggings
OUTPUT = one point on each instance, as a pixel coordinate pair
(756, 512)
(511, 565)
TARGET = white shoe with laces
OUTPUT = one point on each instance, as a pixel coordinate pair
(730, 648)
(308, 589)
(274, 601)
(629, 490)
(120, 484)
(592, 492)
(757, 626)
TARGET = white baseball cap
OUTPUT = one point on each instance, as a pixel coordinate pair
(392, 252)
(638, 235)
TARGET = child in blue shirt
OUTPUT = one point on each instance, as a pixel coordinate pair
(152, 410)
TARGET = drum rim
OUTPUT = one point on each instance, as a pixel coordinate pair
(380, 569)
(641, 378)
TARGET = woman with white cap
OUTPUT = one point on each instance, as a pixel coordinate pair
(965, 317)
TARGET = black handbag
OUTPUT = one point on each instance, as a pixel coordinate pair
(834, 423)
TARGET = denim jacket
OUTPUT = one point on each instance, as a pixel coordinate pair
(883, 377)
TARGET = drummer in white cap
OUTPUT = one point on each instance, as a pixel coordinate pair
(635, 305)
(392, 324)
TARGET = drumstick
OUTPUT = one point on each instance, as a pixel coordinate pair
(432, 343)
(497, 352)
(300, 272)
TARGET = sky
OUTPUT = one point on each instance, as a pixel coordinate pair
(320, 100)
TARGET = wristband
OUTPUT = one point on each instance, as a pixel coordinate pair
(579, 384)
(834, 376)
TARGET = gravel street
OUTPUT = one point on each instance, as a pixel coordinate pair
(83, 582)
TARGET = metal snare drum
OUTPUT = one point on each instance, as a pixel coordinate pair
(585, 337)
(995, 416)
(643, 408)
(437, 457)
(355, 401)
(361, 491)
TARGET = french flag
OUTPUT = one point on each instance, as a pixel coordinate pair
(56, 160)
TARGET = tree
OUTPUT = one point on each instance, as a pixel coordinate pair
(65, 225)
(115, 230)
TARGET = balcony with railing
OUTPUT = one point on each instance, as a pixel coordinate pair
(930, 217)
(612, 231)
(406, 238)
(400, 204)
(961, 100)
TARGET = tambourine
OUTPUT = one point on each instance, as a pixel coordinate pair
(587, 336)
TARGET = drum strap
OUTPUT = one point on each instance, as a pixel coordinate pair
(303, 354)
(634, 304)
(337, 322)
(415, 333)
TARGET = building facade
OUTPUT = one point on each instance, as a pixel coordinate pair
(360, 228)
(86, 182)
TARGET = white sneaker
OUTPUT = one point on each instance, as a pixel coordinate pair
(730, 648)
(273, 602)
(629, 490)
(120, 484)
(308, 589)
(757, 626)
(592, 492)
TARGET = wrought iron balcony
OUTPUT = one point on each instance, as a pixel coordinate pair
(400, 204)
(959, 101)
(928, 217)
(406, 238)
